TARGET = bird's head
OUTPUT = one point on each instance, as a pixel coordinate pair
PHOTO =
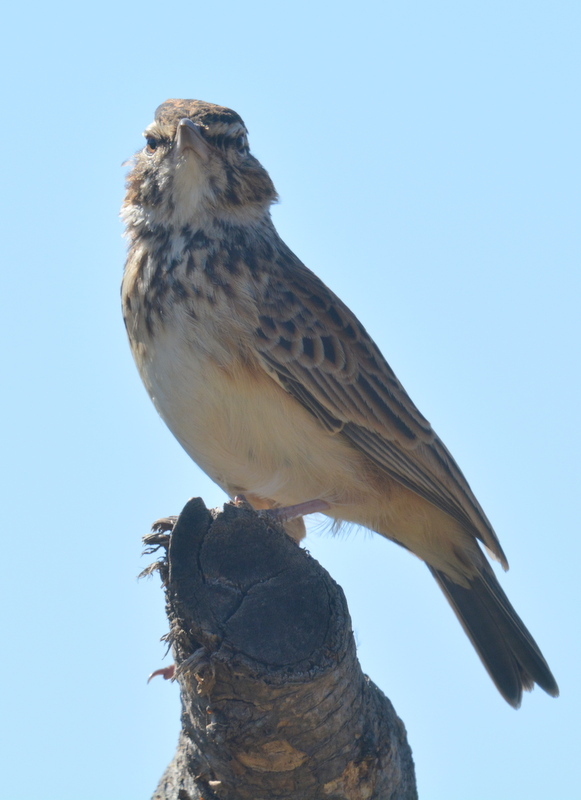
(196, 163)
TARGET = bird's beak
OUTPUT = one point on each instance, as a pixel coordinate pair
(188, 137)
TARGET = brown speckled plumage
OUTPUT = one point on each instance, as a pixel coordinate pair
(275, 388)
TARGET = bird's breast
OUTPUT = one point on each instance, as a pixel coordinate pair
(243, 429)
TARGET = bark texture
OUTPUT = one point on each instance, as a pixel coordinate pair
(274, 703)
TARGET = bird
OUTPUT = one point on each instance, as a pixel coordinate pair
(276, 390)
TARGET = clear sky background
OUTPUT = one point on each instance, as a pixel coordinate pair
(427, 159)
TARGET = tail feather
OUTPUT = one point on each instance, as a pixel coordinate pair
(506, 648)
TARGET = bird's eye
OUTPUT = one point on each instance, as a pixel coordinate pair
(152, 144)
(240, 143)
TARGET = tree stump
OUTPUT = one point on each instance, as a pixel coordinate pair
(274, 703)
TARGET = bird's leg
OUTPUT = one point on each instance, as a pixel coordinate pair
(287, 513)
(291, 517)
(282, 513)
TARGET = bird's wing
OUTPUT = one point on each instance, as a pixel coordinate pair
(321, 354)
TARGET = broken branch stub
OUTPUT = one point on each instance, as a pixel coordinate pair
(274, 703)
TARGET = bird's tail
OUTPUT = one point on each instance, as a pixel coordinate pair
(507, 649)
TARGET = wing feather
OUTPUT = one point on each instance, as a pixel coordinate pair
(321, 354)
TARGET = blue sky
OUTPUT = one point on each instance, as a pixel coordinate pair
(427, 159)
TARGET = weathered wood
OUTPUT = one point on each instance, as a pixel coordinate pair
(274, 703)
